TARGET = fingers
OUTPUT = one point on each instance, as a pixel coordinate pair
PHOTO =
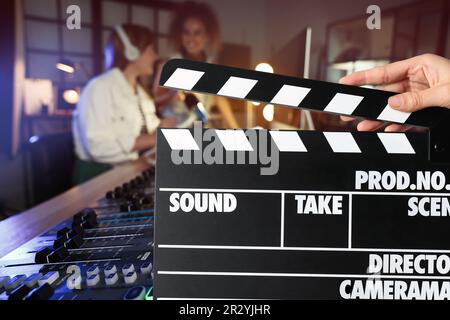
(395, 77)
(393, 72)
(396, 128)
(369, 125)
(403, 128)
(347, 119)
(404, 86)
(399, 87)
(417, 100)
(365, 125)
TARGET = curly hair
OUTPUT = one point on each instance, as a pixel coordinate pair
(201, 12)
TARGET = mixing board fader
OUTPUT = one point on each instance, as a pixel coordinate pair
(102, 252)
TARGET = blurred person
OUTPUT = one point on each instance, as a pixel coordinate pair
(115, 119)
(422, 81)
(195, 35)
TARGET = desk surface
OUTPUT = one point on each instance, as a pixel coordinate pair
(21, 228)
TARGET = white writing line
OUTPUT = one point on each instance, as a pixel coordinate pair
(297, 275)
(350, 222)
(172, 246)
(282, 221)
(368, 193)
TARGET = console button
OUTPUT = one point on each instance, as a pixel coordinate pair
(130, 277)
(111, 279)
(32, 280)
(110, 269)
(93, 280)
(49, 278)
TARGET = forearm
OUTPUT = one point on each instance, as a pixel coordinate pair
(144, 142)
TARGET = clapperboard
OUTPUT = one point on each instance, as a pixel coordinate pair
(257, 214)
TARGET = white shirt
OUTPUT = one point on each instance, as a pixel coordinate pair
(107, 119)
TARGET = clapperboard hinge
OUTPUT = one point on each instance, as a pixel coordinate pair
(306, 94)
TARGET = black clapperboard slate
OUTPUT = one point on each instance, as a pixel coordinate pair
(268, 248)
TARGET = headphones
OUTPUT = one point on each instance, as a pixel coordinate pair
(131, 52)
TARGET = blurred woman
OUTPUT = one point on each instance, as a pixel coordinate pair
(115, 118)
(195, 35)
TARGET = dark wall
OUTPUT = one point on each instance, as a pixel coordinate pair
(7, 27)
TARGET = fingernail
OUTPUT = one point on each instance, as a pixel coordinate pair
(395, 101)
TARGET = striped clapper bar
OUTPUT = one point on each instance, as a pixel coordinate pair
(306, 94)
(257, 214)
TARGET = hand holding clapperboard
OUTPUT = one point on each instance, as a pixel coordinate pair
(256, 214)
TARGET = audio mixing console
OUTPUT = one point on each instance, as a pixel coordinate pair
(103, 252)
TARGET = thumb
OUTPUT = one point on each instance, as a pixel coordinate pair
(438, 96)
